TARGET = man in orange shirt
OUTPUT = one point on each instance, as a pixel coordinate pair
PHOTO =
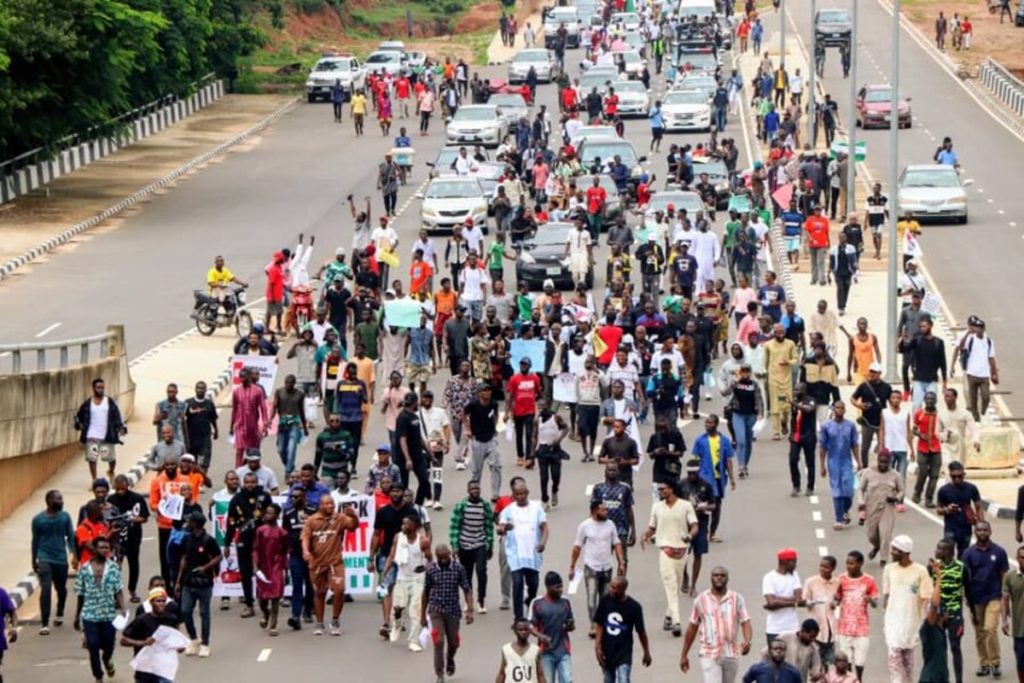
(166, 484)
(817, 228)
(91, 528)
(444, 306)
(449, 69)
(420, 272)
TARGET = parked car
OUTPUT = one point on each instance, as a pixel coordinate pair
(448, 201)
(490, 175)
(686, 110)
(389, 61)
(718, 175)
(833, 27)
(543, 62)
(344, 68)
(874, 108)
(392, 46)
(477, 123)
(558, 16)
(592, 132)
(633, 98)
(933, 191)
(542, 257)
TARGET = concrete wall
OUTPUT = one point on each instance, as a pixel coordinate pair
(37, 415)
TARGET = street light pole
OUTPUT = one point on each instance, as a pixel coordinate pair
(851, 125)
(812, 114)
(894, 202)
(782, 34)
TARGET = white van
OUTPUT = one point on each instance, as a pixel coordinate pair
(699, 8)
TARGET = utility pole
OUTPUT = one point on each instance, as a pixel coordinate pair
(892, 308)
(812, 113)
(782, 34)
(851, 121)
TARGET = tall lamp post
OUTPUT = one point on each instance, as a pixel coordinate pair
(851, 124)
(812, 113)
(894, 201)
(782, 34)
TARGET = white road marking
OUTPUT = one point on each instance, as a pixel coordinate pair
(924, 512)
(264, 654)
(981, 190)
(813, 499)
(822, 550)
(990, 200)
(48, 330)
(816, 515)
(820, 533)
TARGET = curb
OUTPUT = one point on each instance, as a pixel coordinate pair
(78, 228)
(30, 582)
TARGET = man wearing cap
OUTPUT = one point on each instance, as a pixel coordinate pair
(906, 592)
(837, 445)
(977, 356)
(871, 397)
(265, 476)
(782, 592)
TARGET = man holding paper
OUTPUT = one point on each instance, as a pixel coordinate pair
(597, 539)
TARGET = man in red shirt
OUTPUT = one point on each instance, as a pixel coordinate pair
(818, 241)
(568, 99)
(611, 104)
(524, 388)
(929, 450)
(403, 90)
(275, 292)
(596, 198)
(91, 528)
(611, 335)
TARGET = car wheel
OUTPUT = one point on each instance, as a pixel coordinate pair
(962, 220)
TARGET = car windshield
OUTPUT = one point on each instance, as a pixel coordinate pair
(712, 168)
(383, 58)
(607, 150)
(490, 171)
(550, 234)
(702, 61)
(453, 189)
(586, 132)
(560, 14)
(591, 81)
(931, 178)
(531, 56)
(682, 200)
(333, 65)
(446, 157)
(834, 17)
(629, 56)
(625, 18)
(474, 114)
(630, 86)
(508, 100)
(878, 96)
(684, 97)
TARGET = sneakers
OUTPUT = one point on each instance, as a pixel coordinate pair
(192, 649)
(318, 630)
(438, 505)
(44, 631)
(247, 612)
(295, 624)
(794, 493)
(982, 671)
(225, 604)
(108, 666)
(677, 631)
(415, 647)
(481, 609)
(504, 606)
(554, 500)
(460, 466)
(396, 632)
(335, 628)
(204, 651)
(997, 672)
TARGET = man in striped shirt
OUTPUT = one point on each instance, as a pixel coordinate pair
(471, 535)
(720, 615)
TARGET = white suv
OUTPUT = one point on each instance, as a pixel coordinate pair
(331, 69)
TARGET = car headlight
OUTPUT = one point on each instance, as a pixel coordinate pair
(526, 257)
(428, 211)
(957, 201)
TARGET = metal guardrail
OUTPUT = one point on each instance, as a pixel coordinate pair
(63, 349)
(1007, 87)
(40, 154)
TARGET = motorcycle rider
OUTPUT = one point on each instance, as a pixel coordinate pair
(218, 278)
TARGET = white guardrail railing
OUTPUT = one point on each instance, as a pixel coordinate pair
(63, 348)
(1004, 85)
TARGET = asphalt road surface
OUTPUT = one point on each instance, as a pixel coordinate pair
(254, 203)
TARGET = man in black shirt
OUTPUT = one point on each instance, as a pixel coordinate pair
(199, 427)
(245, 513)
(409, 436)
(870, 398)
(617, 617)
(666, 448)
(386, 525)
(702, 498)
(294, 519)
(479, 425)
(365, 277)
(621, 449)
(200, 560)
(803, 421)
(337, 301)
(928, 361)
(132, 512)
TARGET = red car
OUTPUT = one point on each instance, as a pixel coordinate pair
(874, 105)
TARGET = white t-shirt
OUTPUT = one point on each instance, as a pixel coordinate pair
(796, 85)
(98, 418)
(781, 585)
(474, 280)
(474, 239)
(896, 428)
(434, 420)
(384, 239)
(466, 165)
(977, 351)
(597, 541)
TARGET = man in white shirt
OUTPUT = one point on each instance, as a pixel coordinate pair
(977, 353)
(598, 541)
(796, 86)
(529, 35)
(474, 236)
(465, 165)
(384, 238)
(473, 287)
(782, 591)
(669, 352)
(427, 247)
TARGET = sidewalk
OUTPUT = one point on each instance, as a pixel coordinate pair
(185, 360)
(497, 53)
(32, 221)
(868, 298)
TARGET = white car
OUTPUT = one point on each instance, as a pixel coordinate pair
(630, 21)
(558, 16)
(593, 133)
(448, 201)
(634, 62)
(477, 123)
(385, 60)
(679, 199)
(706, 84)
(328, 70)
(542, 61)
(933, 191)
(686, 110)
(633, 98)
(512, 106)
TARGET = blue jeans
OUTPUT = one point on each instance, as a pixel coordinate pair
(302, 593)
(619, 674)
(720, 118)
(919, 389)
(899, 463)
(743, 425)
(99, 639)
(189, 598)
(287, 445)
(557, 669)
(841, 505)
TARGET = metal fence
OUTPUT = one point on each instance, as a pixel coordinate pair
(39, 167)
(1004, 85)
(57, 354)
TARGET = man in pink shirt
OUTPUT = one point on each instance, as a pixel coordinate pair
(540, 179)
(748, 324)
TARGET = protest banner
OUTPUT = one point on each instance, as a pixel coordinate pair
(563, 389)
(403, 312)
(266, 366)
(534, 349)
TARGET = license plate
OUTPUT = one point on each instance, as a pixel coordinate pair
(933, 209)
(553, 271)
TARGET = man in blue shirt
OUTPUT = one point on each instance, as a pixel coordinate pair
(985, 564)
(771, 296)
(792, 231)
(775, 669)
(838, 448)
(657, 120)
(337, 99)
(945, 154)
(771, 123)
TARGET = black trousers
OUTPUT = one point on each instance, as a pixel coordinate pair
(842, 290)
(422, 471)
(550, 468)
(424, 121)
(475, 560)
(524, 436)
(794, 462)
(130, 550)
(169, 573)
(337, 110)
(355, 428)
(390, 202)
(246, 569)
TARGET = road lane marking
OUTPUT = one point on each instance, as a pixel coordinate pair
(48, 330)
(1001, 212)
(990, 200)
(816, 515)
(924, 512)
(820, 533)
(264, 654)
(822, 550)
(813, 499)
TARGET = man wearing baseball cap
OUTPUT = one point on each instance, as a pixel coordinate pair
(782, 591)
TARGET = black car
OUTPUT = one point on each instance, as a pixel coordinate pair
(833, 27)
(542, 257)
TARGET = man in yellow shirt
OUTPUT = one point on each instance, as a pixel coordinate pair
(908, 231)
(359, 110)
(219, 277)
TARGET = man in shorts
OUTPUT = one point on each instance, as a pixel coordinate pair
(792, 232)
(322, 538)
(100, 428)
(420, 354)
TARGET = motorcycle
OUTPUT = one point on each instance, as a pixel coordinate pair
(211, 313)
(301, 310)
